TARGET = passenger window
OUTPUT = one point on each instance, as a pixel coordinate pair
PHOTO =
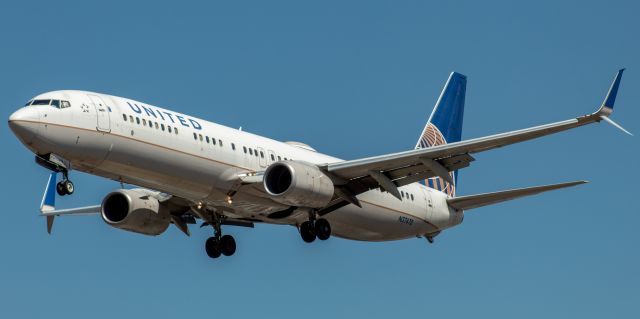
(207, 138)
(65, 104)
(273, 158)
(200, 135)
(244, 148)
(261, 154)
(233, 146)
(156, 125)
(130, 118)
(411, 196)
(279, 158)
(175, 129)
(169, 128)
(195, 137)
(250, 152)
(255, 152)
(162, 126)
(124, 116)
(55, 103)
(150, 124)
(137, 120)
(144, 122)
(220, 142)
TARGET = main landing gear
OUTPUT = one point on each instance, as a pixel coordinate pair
(312, 229)
(65, 186)
(219, 245)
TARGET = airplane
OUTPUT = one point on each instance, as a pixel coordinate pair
(187, 170)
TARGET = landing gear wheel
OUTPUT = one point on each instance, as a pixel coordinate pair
(68, 187)
(227, 245)
(307, 232)
(322, 229)
(60, 189)
(65, 187)
(212, 246)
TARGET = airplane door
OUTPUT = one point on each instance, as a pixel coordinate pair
(429, 202)
(262, 158)
(102, 111)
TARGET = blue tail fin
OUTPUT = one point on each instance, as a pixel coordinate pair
(445, 125)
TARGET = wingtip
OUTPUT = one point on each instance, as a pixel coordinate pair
(575, 183)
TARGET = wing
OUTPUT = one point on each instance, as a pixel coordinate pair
(183, 211)
(393, 170)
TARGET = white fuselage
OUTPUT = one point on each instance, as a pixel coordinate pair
(129, 141)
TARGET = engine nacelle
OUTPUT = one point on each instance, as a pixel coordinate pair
(135, 210)
(299, 184)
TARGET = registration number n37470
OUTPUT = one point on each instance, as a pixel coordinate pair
(405, 220)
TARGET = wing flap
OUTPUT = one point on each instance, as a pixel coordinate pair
(475, 201)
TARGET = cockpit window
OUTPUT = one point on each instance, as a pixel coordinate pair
(41, 102)
(59, 104)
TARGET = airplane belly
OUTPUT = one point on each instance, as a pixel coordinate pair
(375, 223)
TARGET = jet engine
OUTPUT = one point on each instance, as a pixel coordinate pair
(297, 183)
(135, 210)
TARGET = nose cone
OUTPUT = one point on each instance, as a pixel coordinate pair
(25, 123)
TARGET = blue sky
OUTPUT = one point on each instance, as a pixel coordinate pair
(352, 79)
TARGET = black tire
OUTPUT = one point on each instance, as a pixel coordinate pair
(212, 246)
(60, 189)
(323, 229)
(307, 232)
(68, 187)
(227, 245)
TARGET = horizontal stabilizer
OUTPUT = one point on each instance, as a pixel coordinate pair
(475, 201)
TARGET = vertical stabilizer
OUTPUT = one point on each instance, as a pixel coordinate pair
(445, 126)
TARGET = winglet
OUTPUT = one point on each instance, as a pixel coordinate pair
(49, 200)
(610, 121)
(613, 91)
(607, 105)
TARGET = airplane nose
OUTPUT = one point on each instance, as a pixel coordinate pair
(25, 123)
